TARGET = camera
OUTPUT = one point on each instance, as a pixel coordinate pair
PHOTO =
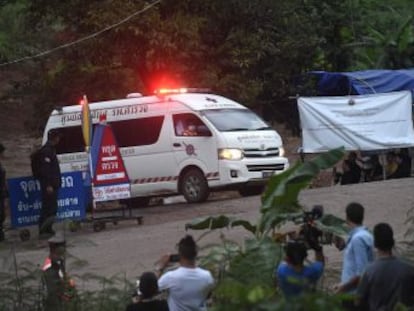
(312, 236)
(308, 234)
(174, 258)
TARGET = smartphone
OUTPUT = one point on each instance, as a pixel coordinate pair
(174, 258)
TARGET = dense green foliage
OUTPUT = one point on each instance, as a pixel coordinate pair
(22, 289)
(245, 272)
(252, 51)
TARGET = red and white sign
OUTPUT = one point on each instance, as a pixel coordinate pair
(110, 167)
(110, 178)
(112, 192)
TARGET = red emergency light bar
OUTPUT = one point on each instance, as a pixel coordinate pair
(165, 91)
(182, 90)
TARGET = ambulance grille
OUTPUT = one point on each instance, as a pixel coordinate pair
(266, 167)
(258, 153)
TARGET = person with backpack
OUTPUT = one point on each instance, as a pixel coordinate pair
(45, 167)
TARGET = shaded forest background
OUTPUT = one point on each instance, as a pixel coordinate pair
(254, 51)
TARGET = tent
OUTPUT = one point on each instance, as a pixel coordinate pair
(374, 84)
(363, 82)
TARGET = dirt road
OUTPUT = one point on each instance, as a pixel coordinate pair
(128, 249)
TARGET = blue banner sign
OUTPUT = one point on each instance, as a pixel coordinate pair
(26, 202)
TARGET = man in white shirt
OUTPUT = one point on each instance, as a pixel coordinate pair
(188, 286)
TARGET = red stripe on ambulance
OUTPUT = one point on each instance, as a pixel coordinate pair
(168, 178)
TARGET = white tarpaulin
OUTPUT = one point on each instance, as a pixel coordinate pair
(363, 122)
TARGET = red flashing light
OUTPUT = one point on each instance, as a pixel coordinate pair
(165, 91)
(83, 101)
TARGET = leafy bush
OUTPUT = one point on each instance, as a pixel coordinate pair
(245, 272)
(21, 289)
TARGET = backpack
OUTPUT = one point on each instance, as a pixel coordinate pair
(35, 163)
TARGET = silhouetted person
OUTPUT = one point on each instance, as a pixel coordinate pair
(3, 193)
(350, 174)
(404, 164)
(388, 280)
(50, 181)
(391, 166)
(376, 172)
(354, 166)
(148, 290)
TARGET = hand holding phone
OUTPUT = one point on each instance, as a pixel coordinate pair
(174, 258)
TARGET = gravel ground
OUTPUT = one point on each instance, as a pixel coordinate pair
(128, 249)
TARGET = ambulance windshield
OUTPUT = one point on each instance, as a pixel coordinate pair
(229, 120)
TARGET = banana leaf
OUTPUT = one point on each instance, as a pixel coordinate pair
(219, 222)
(281, 194)
(332, 224)
(283, 189)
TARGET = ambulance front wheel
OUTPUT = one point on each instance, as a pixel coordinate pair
(193, 186)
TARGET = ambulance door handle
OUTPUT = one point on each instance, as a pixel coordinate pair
(177, 145)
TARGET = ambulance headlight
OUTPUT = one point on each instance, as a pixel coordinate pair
(281, 151)
(230, 154)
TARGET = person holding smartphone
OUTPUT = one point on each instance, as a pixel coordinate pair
(188, 286)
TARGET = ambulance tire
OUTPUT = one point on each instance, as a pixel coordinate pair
(193, 186)
(250, 191)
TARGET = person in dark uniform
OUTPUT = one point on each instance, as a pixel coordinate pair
(50, 181)
(59, 289)
(3, 192)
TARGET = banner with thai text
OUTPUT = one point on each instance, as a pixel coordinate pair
(26, 202)
(363, 122)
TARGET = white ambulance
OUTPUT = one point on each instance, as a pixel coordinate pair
(178, 142)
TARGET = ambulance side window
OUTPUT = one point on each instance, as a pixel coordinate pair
(71, 140)
(187, 124)
(137, 132)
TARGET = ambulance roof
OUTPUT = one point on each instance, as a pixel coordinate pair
(195, 101)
